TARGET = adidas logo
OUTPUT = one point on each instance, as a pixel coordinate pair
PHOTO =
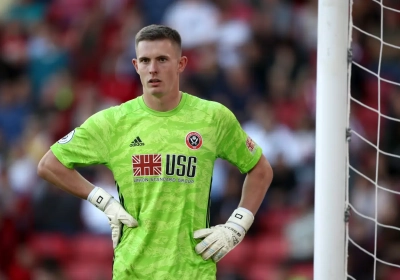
(136, 142)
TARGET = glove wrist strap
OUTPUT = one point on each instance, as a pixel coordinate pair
(99, 198)
(242, 217)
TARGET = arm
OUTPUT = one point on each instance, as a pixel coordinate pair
(240, 150)
(69, 180)
(256, 185)
(229, 235)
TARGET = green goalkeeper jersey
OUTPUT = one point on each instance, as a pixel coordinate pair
(162, 163)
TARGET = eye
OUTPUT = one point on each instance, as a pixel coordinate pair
(144, 60)
(162, 59)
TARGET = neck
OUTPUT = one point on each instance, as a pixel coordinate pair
(162, 103)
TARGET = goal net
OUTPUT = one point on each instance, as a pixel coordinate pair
(373, 235)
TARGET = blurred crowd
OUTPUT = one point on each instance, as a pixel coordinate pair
(63, 60)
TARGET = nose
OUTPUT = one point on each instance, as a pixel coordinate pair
(153, 68)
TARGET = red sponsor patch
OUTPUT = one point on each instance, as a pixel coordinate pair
(194, 140)
(147, 165)
(250, 144)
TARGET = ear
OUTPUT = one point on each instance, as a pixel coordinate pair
(182, 64)
(135, 64)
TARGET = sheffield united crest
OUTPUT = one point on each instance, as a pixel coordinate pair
(194, 140)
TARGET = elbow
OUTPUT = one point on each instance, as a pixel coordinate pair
(43, 167)
(268, 173)
(263, 171)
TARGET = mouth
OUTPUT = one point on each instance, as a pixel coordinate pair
(154, 82)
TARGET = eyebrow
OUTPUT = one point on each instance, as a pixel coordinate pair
(160, 56)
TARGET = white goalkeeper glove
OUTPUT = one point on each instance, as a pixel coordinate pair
(221, 239)
(113, 210)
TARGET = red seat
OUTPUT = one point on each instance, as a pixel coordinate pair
(53, 245)
(259, 271)
(393, 274)
(93, 247)
(275, 221)
(303, 270)
(81, 270)
(271, 249)
(238, 257)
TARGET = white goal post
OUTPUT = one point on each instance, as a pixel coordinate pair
(331, 155)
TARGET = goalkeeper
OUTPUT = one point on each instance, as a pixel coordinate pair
(161, 148)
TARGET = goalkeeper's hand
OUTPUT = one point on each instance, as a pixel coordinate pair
(221, 239)
(113, 210)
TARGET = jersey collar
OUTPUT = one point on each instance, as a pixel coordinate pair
(167, 113)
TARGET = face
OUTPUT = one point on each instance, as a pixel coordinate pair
(159, 64)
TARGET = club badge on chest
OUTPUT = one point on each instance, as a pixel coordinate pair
(194, 140)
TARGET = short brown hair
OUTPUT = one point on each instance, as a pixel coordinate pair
(158, 32)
